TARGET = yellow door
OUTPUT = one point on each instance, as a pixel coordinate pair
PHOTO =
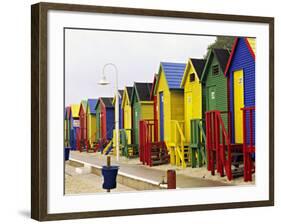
(238, 104)
(189, 114)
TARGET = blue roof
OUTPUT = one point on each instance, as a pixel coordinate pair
(92, 105)
(174, 73)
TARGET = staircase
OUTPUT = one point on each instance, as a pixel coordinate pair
(178, 147)
(223, 156)
(129, 150)
(151, 151)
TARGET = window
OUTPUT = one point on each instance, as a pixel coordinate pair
(215, 69)
(192, 77)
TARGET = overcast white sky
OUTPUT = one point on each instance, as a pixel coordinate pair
(136, 55)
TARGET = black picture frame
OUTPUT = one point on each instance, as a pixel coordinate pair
(39, 107)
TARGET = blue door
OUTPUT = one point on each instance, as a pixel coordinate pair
(161, 101)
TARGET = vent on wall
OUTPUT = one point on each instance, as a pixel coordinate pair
(215, 70)
(192, 77)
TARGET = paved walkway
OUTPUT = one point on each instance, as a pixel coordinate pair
(144, 172)
(87, 182)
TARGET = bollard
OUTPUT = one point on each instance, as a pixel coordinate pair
(171, 179)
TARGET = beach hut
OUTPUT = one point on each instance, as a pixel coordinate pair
(67, 126)
(91, 121)
(240, 72)
(105, 118)
(193, 103)
(120, 108)
(169, 98)
(237, 146)
(142, 107)
(214, 81)
(194, 107)
(83, 124)
(170, 110)
(74, 125)
(127, 111)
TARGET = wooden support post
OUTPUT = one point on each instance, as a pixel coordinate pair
(171, 179)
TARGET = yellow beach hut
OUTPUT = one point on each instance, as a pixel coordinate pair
(91, 122)
(127, 111)
(193, 103)
(170, 113)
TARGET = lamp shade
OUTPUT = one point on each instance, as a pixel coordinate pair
(103, 81)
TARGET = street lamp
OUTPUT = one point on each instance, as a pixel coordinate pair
(104, 81)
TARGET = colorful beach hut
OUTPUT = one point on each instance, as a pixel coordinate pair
(83, 124)
(194, 108)
(193, 103)
(239, 142)
(127, 112)
(91, 121)
(74, 125)
(169, 98)
(67, 126)
(142, 107)
(215, 83)
(105, 118)
(240, 72)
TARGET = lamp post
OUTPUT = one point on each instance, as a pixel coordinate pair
(104, 81)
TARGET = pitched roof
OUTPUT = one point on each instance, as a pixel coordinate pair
(107, 101)
(251, 50)
(92, 105)
(198, 65)
(83, 104)
(75, 110)
(121, 92)
(222, 56)
(155, 79)
(129, 91)
(142, 90)
(174, 73)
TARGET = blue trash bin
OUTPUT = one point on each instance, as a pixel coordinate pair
(109, 174)
(66, 153)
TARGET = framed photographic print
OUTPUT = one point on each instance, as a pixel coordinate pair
(140, 111)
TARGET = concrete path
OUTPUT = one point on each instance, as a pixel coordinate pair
(144, 172)
(86, 182)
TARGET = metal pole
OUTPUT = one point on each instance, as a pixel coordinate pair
(117, 117)
(116, 108)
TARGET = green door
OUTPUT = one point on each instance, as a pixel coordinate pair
(136, 119)
(212, 98)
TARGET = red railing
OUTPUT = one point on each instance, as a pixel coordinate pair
(147, 136)
(248, 145)
(217, 140)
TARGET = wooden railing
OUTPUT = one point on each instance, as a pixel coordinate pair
(197, 143)
(248, 141)
(147, 136)
(217, 139)
(177, 141)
